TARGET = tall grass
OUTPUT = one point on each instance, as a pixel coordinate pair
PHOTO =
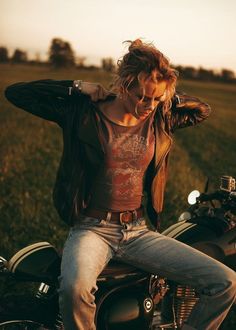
(30, 150)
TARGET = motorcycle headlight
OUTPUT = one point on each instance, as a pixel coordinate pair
(192, 197)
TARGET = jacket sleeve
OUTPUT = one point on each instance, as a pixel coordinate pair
(187, 111)
(47, 99)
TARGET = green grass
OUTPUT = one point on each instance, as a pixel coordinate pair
(30, 150)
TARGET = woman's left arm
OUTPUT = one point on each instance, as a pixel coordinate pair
(187, 111)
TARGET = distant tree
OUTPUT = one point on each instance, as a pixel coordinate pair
(3, 54)
(80, 61)
(190, 72)
(61, 53)
(19, 56)
(179, 69)
(108, 64)
(227, 75)
(204, 74)
(186, 72)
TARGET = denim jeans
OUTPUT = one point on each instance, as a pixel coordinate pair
(93, 242)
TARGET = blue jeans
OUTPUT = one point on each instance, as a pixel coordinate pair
(92, 243)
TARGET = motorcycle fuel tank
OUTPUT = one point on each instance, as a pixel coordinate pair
(208, 236)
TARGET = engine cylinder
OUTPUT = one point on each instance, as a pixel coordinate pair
(185, 298)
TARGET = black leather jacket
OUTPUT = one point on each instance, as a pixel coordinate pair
(82, 153)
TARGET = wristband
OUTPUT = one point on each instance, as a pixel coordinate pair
(177, 99)
(77, 85)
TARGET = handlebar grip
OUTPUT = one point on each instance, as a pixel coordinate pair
(218, 195)
(232, 195)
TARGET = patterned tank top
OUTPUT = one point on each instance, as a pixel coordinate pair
(128, 152)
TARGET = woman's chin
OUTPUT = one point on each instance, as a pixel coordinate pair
(144, 115)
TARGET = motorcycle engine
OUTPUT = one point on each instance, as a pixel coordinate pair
(174, 304)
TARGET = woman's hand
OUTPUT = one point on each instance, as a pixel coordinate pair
(94, 90)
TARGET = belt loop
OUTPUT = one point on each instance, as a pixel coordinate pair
(108, 218)
(135, 215)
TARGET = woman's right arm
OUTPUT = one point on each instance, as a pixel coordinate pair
(49, 98)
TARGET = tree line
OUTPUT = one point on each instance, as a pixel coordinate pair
(189, 72)
(61, 54)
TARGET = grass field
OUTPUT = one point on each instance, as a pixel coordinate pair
(30, 150)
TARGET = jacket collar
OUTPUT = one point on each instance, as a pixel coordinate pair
(163, 139)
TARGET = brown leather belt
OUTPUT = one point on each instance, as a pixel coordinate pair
(115, 217)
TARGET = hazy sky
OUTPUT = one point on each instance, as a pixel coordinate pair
(189, 32)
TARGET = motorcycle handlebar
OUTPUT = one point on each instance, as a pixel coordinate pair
(218, 195)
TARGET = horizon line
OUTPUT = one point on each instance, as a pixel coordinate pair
(33, 53)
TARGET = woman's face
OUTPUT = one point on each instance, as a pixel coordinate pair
(145, 97)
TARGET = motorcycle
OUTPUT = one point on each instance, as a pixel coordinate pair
(208, 225)
(127, 298)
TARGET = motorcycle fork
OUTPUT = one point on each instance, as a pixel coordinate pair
(46, 293)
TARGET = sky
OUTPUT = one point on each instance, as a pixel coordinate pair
(188, 32)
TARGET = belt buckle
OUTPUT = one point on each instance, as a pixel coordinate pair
(125, 217)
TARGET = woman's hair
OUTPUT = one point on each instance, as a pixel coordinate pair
(144, 59)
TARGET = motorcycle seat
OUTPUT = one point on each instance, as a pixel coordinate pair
(116, 269)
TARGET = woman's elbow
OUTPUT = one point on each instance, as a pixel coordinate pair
(205, 110)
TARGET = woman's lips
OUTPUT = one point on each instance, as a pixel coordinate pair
(145, 114)
(148, 111)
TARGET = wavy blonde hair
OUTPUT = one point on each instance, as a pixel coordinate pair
(144, 59)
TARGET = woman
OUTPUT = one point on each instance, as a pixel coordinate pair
(115, 156)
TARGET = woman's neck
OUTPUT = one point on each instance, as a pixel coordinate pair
(118, 112)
